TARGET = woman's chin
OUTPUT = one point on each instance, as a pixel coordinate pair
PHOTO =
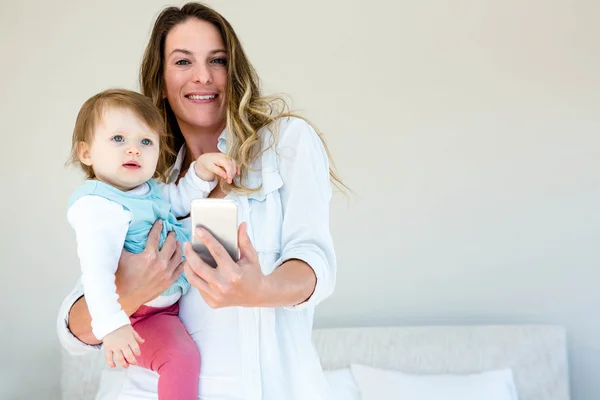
(206, 122)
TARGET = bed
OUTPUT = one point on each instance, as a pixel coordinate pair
(534, 355)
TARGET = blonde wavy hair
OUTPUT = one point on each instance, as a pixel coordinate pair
(247, 110)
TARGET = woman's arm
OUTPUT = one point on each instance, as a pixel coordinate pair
(307, 265)
(292, 283)
(243, 283)
(80, 320)
(139, 279)
(306, 271)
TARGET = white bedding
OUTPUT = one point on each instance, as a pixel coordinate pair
(536, 355)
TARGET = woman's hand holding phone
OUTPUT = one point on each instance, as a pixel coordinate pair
(232, 283)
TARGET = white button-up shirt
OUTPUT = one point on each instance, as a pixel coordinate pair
(258, 353)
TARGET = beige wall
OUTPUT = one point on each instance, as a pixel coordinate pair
(468, 129)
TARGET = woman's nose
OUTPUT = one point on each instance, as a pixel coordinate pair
(202, 74)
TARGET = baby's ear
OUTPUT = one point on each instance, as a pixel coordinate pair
(83, 153)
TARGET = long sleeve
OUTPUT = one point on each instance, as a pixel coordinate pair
(100, 226)
(181, 194)
(305, 197)
(68, 341)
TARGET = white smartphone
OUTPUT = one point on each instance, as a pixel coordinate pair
(220, 218)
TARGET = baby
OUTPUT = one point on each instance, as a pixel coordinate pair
(121, 144)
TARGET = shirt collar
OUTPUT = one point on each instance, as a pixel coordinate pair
(222, 141)
(176, 168)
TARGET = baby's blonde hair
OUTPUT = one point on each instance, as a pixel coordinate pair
(92, 112)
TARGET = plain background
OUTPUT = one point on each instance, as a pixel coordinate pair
(469, 130)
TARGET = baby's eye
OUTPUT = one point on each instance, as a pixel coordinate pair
(146, 142)
(118, 139)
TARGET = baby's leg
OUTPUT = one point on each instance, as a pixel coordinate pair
(169, 350)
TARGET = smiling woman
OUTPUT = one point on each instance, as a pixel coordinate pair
(196, 74)
(251, 317)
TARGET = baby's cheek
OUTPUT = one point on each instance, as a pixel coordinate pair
(153, 157)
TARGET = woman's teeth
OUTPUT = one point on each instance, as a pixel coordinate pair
(197, 97)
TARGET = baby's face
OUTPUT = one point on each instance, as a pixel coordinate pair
(124, 151)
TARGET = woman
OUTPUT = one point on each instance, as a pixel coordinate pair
(251, 319)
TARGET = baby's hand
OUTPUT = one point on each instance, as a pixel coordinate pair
(122, 345)
(210, 164)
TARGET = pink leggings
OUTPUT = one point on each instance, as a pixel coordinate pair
(169, 350)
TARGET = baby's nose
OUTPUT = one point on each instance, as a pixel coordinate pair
(133, 151)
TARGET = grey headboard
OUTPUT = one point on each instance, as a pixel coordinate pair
(537, 355)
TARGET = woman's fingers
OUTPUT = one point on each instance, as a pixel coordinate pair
(154, 236)
(176, 272)
(207, 291)
(175, 259)
(247, 250)
(169, 246)
(197, 264)
(194, 279)
(216, 249)
(175, 263)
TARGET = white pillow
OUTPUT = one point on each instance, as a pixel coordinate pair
(379, 384)
(342, 384)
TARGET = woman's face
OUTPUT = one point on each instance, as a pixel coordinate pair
(195, 75)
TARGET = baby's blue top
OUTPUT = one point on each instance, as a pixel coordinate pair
(145, 210)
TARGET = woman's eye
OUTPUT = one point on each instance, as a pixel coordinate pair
(222, 61)
(146, 142)
(182, 62)
(118, 139)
